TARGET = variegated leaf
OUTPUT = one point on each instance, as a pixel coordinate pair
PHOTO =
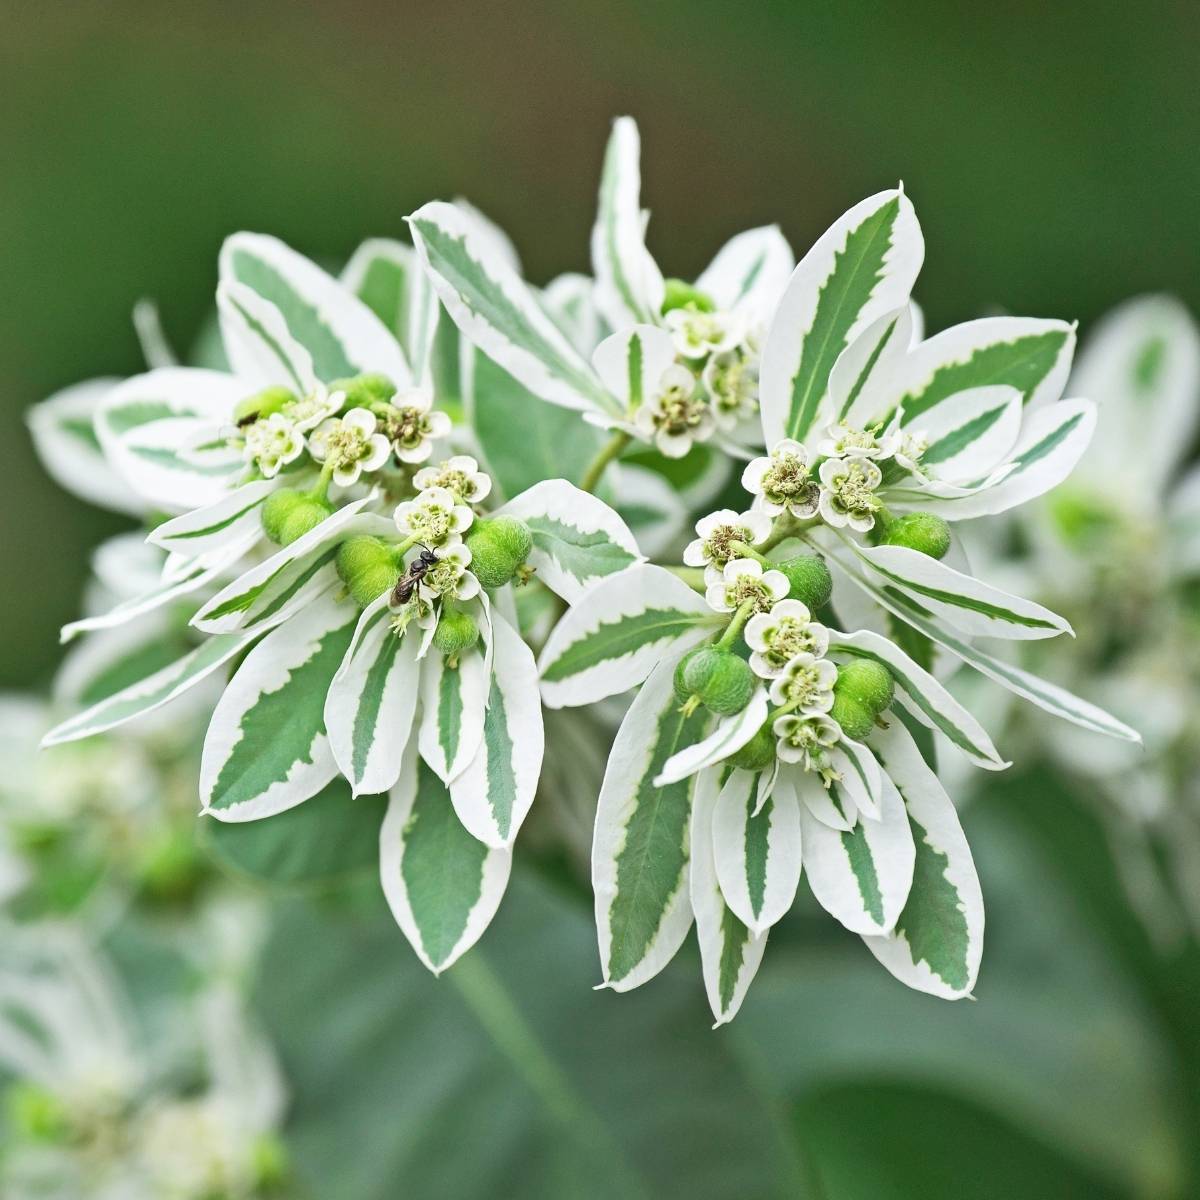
(640, 849)
(499, 312)
(577, 539)
(340, 333)
(757, 850)
(862, 267)
(258, 342)
(729, 952)
(860, 876)
(266, 749)
(962, 601)
(935, 706)
(970, 435)
(629, 285)
(730, 735)
(618, 632)
(152, 691)
(857, 383)
(749, 273)
(372, 700)
(442, 885)
(495, 792)
(229, 519)
(453, 701)
(937, 941)
(632, 361)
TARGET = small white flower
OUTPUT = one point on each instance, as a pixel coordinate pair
(780, 481)
(677, 415)
(844, 441)
(848, 493)
(460, 475)
(412, 426)
(697, 333)
(351, 444)
(778, 636)
(434, 518)
(806, 739)
(805, 684)
(908, 449)
(713, 548)
(271, 443)
(448, 578)
(309, 412)
(744, 579)
(731, 380)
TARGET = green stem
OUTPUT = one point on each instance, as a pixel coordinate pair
(492, 1004)
(736, 622)
(786, 526)
(320, 489)
(692, 576)
(743, 550)
(609, 451)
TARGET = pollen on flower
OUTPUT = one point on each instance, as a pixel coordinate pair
(782, 481)
(434, 518)
(806, 739)
(411, 426)
(806, 683)
(460, 476)
(731, 379)
(271, 443)
(779, 636)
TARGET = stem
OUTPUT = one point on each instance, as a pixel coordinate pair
(742, 550)
(320, 489)
(609, 451)
(734, 627)
(692, 576)
(786, 526)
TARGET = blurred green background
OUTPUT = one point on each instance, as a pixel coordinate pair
(1051, 152)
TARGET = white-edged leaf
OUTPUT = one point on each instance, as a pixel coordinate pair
(970, 434)
(577, 539)
(827, 802)
(975, 608)
(618, 632)
(757, 854)
(259, 592)
(749, 273)
(925, 694)
(730, 735)
(570, 299)
(632, 361)
(862, 267)
(495, 792)
(1027, 353)
(260, 347)
(266, 749)
(442, 885)
(152, 691)
(629, 285)
(387, 277)
(65, 438)
(640, 849)
(860, 876)
(857, 380)
(654, 511)
(938, 938)
(372, 700)
(500, 313)
(453, 701)
(340, 334)
(861, 779)
(729, 952)
(216, 525)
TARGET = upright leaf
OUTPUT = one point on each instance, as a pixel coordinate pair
(453, 702)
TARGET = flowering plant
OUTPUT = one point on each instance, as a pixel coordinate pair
(404, 482)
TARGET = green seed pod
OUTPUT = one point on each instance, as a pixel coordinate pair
(808, 580)
(723, 681)
(682, 691)
(37, 1113)
(456, 631)
(262, 404)
(678, 293)
(289, 514)
(867, 682)
(855, 719)
(757, 754)
(364, 390)
(367, 566)
(498, 546)
(919, 531)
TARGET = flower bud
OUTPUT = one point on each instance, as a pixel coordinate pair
(262, 404)
(723, 681)
(757, 754)
(919, 531)
(289, 514)
(498, 546)
(855, 718)
(808, 580)
(367, 566)
(364, 390)
(866, 682)
(678, 293)
(456, 631)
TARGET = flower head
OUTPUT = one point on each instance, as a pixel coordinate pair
(434, 518)
(271, 443)
(713, 546)
(780, 635)
(459, 475)
(806, 739)
(411, 425)
(350, 444)
(677, 415)
(448, 578)
(781, 481)
(698, 333)
(744, 580)
(731, 380)
(806, 684)
(845, 441)
(848, 492)
(307, 412)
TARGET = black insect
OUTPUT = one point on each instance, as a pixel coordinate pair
(403, 591)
